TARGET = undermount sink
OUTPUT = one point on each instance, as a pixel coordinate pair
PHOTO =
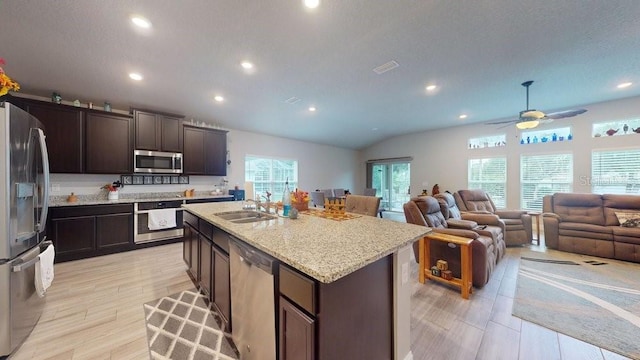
(244, 216)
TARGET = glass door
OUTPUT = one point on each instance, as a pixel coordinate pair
(391, 180)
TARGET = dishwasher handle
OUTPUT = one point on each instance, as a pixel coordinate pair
(251, 256)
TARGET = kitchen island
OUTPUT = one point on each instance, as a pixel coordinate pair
(341, 287)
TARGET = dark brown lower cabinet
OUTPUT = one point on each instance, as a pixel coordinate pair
(205, 251)
(194, 267)
(221, 285)
(297, 333)
(186, 244)
(113, 230)
(84, 231)
(206, 266)
(72, 236)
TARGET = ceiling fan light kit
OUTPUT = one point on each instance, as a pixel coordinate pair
(527, 124)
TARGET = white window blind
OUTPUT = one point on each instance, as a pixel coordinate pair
(542, 175)
(270, 174)
(615, 171)
(490, 175)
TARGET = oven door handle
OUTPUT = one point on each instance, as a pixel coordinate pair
(147, 211)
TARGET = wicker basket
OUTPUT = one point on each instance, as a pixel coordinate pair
(300, 206)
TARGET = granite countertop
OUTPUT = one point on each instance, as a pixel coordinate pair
(324, 249)
(101, 199)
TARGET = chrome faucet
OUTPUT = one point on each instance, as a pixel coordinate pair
(255, 202)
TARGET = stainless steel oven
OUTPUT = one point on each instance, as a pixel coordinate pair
(141, 221)
(158, 162)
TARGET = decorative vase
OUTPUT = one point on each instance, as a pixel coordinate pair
(113, 195)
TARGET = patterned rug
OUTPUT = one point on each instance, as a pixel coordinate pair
(181, 326)
(592, 299)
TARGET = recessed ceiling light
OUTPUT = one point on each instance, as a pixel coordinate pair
(311, 4)
(247, 65)
(312, 108)
(431, 87)
(141, 22)
(218, 98)
(463, 116)
(624, 85)
(135, 76)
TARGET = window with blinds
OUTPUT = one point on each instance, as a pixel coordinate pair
(542, 175)
(615, 171)
(490, 175)
(270, 174)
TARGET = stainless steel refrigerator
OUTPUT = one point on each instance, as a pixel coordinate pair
(24, 184)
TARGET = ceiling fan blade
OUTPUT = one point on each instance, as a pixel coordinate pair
(502, 122)
(565, 114)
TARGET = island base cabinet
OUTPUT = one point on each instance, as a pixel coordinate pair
(355, 314)
(297, 333)
(350, 318)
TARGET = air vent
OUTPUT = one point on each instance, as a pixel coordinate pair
(293, 100)
(386, 67)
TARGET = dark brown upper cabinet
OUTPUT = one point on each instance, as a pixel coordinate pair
(205, 151)
(158, 131)
(109, 143)
(64, 129)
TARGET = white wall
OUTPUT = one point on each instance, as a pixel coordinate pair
(441, 156)
(319, 167)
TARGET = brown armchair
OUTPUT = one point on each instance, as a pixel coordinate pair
(425, 211)
(488, 225)
(517, 222)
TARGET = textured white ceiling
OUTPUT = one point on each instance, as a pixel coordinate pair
(478, 52)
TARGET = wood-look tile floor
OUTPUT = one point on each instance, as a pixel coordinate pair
(94, 311)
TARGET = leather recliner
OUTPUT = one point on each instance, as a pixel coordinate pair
(488, 225)
(425, 211)
(517, 222)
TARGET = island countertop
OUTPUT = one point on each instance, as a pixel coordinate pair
(324, 249)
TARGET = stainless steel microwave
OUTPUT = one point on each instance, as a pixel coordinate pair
(158, 162)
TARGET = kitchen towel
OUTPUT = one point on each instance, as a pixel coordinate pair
(44, 270)
(161, 219)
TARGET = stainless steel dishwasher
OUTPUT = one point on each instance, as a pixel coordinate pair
(252, 301)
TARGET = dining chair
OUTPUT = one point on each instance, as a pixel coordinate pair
(338, 192)
(364, 205)
(370, 192)
(317, 197)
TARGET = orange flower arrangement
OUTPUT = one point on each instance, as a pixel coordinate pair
(6, 83)
(300, 200)
(299, 196)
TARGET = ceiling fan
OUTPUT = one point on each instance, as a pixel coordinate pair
(531, 118)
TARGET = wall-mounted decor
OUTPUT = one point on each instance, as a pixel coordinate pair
(154, 179)
(617, 127)
(487, 141)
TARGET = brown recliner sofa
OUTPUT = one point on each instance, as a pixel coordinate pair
(588, 224)
(488, 225)
(517, 222)
(425, 211)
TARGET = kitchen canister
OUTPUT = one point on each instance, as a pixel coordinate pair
(113, 195)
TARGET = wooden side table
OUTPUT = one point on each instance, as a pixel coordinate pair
(536, 215)
(465, 282)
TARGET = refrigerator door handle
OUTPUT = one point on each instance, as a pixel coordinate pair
(45, 171)
(27, 264)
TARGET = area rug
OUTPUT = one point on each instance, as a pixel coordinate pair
(181, 326)
(592, 299)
